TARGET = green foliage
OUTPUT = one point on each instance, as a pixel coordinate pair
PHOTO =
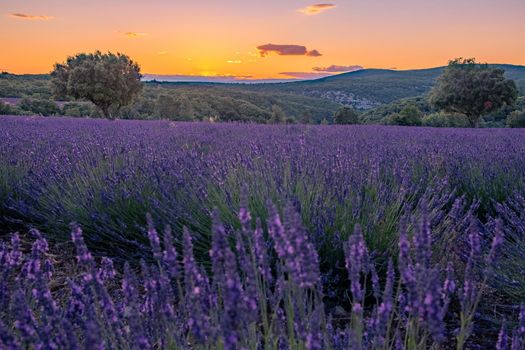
(12, 85)
(346, 115)
(445, 120)
(142, 108)
(278, 115)
(410, 115)
(79, 109)
(306, 117)
(165, 107)
(110, 81)
(307, 102)
(6, 109)
(39, 106)
(516, 119)
(472, 89)
(184, 108)
(379, 114)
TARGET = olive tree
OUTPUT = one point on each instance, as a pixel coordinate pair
(346, 115)
(472, 89)
(110, 81)
(278, 116)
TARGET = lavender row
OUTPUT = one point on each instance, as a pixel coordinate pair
(264, 292)
(107, 175)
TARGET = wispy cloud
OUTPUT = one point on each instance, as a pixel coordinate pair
(162, 53)
(217, 78)
(224, 78)
(316, 9)
(286, 50)
(313, 53)
(134, 35)
(31, 17)
(305, 75)
(234, 61)
(337, 69)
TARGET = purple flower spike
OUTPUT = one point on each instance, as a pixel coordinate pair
(169, 256)
(294, 248)
(84, 257)
(497, 241)
(196, 285)
(153, 237)
(503, 341)
(260, 250)
(244, 214)
(356, 261)
(15, 256)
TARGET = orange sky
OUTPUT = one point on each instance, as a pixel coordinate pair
(205, 37)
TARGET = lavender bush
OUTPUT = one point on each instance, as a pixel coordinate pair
(260, 293)
(107, 175)
(346, 237)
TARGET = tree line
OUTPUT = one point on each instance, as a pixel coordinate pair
(465, 93)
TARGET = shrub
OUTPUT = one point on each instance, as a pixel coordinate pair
(410, 115)
(346, 115)
(516, 119)
(6, 109)
(39, 106)
(278, 115)
(79, 109)
(445, 120)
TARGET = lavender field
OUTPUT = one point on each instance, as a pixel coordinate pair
(162, 235)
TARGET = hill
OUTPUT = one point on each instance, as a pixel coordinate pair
(370, 88)
(303, 101)
(185, 101)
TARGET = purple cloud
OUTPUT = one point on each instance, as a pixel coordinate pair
(286, 50)
(313, 53)
(31, 17)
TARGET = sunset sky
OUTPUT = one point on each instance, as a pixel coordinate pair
(262, 39)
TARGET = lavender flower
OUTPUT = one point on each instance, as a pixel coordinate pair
(106, 271)
(497, 241)
(260, 251)
(198, 321)
(153, 238)
(356, 263)
(294, 248)
(244, 213)
(169, 256)
(25, 322)
(14, 257)
(84, 257)
(422, 240)
(502, 343)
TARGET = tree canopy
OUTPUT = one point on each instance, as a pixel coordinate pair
(472, 89)
(110, 81)
(346, 115)
(516, 119)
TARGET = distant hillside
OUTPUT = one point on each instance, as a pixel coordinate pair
(370, 88)
(189, 101)
(304, 101)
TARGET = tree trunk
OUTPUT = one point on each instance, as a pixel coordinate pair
(107, 113)
(473, 120)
